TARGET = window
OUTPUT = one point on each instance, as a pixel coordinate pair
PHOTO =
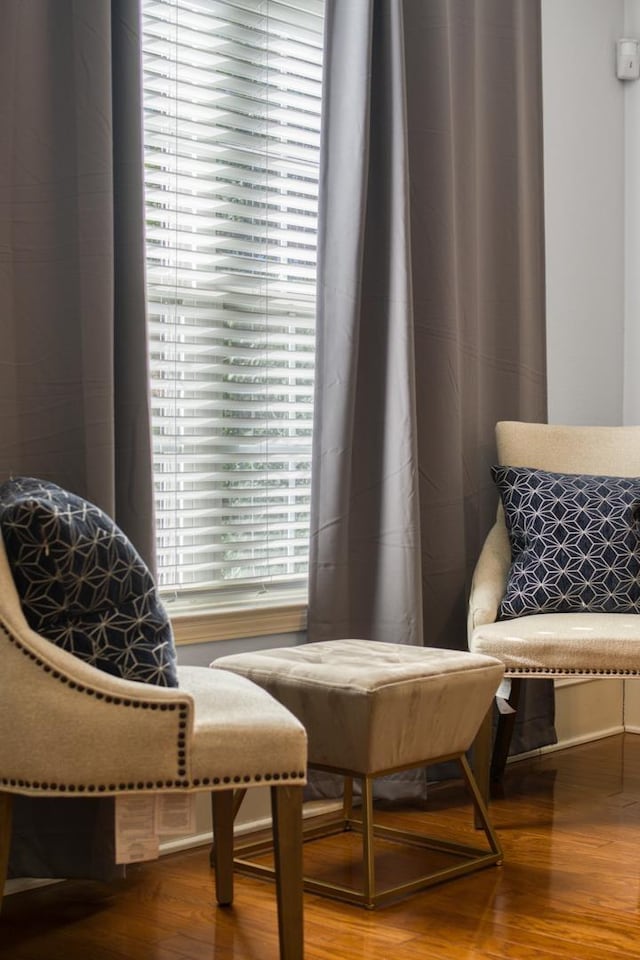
(232, 94)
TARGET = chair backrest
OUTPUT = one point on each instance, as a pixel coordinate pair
(607, 451)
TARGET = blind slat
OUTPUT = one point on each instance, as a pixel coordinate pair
(232, 97)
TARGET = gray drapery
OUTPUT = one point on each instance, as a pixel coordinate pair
(431, 311)
(74, 404)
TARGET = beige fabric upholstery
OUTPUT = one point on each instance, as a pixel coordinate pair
(251, 737)
(611, 451)
(370, 707)
(69, 728)
(560, 644)
(564, 643)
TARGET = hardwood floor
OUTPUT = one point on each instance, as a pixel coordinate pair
(569, 888)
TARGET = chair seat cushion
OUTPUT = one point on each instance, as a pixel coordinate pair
(575, 542)
(241, 734)
(82, 584)
(370, 707)
(564, 644)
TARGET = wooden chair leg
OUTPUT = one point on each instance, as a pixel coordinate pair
(482, 755)
(222, 813)
(504, 733)
(6, 802)
(238, 797)
(286, 807)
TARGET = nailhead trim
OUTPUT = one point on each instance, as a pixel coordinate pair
(140, 786)
(147, 786)
(526, 671)
(107, 697)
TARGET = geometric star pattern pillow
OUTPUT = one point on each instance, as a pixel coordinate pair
(82, 584)
(574, 542)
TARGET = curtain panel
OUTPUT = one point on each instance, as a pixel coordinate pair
(74, 404)
(431, 306)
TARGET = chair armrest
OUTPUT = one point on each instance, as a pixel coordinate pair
(489, 578)
(69, 728)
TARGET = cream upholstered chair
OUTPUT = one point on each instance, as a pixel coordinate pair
(69, 729)
(549, 644)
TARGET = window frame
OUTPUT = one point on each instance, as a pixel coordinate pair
(247, 610)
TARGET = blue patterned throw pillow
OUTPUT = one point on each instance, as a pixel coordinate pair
(82, 584)
(575, 543)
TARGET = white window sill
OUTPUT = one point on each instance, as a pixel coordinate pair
(232, 623)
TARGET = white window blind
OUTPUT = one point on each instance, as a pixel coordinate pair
(232, 94)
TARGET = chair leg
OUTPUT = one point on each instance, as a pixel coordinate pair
(6, 803)
(482, 755)
(222, 851)
(286, 807)
(238, 797)
(504, 733)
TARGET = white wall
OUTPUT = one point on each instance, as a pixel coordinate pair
(584, 143)
(631, 372)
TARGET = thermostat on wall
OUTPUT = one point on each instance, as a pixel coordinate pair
(627, 59)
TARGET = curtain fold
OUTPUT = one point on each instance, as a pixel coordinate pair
(431, 307)
(74, 404)
(365, 520)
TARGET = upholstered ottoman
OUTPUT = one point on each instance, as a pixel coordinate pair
(371, 709)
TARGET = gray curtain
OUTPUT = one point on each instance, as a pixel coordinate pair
(431, 322)
(74, 405)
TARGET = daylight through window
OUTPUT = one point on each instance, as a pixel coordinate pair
(232, 94)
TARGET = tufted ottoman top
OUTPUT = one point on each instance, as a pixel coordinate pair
(373, 707)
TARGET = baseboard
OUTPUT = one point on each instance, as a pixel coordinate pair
(314, 808)
(573, 742)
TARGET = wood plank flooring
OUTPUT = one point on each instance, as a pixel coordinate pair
(569, 888)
